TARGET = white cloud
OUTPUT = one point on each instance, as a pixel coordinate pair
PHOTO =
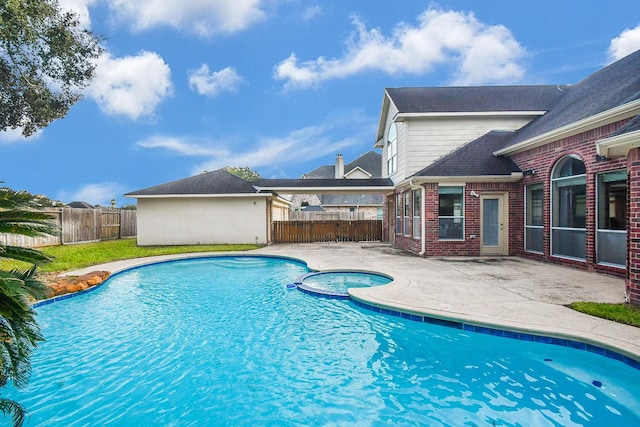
(627, 42)
(205, 82)
(311, 12)
(203, 17)
(311, 142)
(95, 194)
(181, 145)
(307, 143)
(482, 53)
(132, 86)
(11, 136)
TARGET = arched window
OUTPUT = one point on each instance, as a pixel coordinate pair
(392, 149)
(569, 208)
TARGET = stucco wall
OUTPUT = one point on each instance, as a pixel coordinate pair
(181, 221)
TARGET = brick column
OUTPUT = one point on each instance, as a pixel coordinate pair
(633, 226)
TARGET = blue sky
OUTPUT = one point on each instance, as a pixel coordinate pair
(282, 86)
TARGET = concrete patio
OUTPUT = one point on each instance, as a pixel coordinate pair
(506, 292)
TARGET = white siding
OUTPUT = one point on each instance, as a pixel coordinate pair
(184, 221)
(431, 138)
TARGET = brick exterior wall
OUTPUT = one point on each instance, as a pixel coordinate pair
(633, 226)
(469, 246)
(542, 160)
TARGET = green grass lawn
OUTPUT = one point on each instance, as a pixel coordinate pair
(621, 313)
(73, 257)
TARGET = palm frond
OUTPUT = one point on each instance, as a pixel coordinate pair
(27, 223)
(18, 253)
(13, 409)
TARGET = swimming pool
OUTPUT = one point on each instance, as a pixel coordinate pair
(224, 341)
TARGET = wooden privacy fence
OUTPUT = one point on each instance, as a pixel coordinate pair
(81, 225)
(327, 231)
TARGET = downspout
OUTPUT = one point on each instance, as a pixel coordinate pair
(423, 227)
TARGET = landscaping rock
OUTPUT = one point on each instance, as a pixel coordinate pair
(62, 285)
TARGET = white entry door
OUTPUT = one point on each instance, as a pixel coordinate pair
(494, 230)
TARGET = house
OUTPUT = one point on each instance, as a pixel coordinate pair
(213, 207)
(219, 207)
(547, 172)
(365, 206)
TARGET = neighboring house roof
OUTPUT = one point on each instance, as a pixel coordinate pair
(475, 158)
(327, 171)
(216, 182)
(80, 205)
(312, 208)
(370, 162)
(606, 89)
(351, 199)
(475, 98)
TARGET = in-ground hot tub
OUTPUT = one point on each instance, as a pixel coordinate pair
(336, 284)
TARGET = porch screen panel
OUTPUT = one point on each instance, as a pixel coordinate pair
(534, 225)
(611, 235)
(568, 232)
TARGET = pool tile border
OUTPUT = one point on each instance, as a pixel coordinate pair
(523, 336)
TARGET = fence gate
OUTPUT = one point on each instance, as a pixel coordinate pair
(110, 229)
(327, 231)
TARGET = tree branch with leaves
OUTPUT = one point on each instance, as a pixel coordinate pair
(46, 60)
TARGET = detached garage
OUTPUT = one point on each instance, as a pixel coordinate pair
(211, 208)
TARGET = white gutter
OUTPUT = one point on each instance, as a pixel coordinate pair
(329, 190)
(619, 145)
(630, 109)
(181, 196)
(404, 116)
(423, 243)
(514, 177)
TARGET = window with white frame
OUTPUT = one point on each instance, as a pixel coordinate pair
(569, 208)
(451, 213)
(417, 212)
(611, 234)
(398, 213)
(407, 209)
(392, 149)
(534, 218)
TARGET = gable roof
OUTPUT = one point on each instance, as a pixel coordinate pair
(370, 162)
(475, 159)
(605, 90)
(216, 182)
(475, 98)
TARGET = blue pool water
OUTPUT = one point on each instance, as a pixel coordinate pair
(224, 341)
(338, 282)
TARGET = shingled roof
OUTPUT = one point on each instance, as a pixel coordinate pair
(475, 158)
(370, 162)
(216, 182)
(475, 98)
(610, 87)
